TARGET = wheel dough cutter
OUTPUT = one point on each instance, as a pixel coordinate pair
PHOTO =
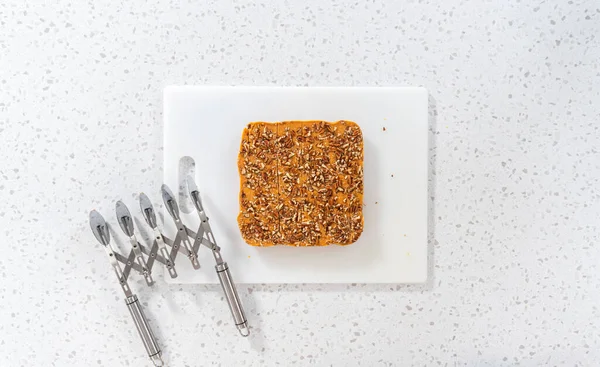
(164, 250)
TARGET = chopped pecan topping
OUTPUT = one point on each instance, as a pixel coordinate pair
(301, 183)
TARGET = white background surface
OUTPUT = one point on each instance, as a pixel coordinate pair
(205, 124)
(514, 158)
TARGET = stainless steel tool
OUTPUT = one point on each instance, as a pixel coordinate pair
(204, 236)
(126, 224)
(173, 209)
(100, 230)
(159, 251)
(159, 239)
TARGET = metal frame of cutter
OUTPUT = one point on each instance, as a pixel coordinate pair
(160, 252)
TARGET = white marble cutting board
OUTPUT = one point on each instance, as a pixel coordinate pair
(205, 124)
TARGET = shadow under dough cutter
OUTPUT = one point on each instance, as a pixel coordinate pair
(160, 252)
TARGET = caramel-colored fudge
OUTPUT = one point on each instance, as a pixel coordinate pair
(301, 183)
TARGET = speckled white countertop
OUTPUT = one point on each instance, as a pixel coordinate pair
(514, 182)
